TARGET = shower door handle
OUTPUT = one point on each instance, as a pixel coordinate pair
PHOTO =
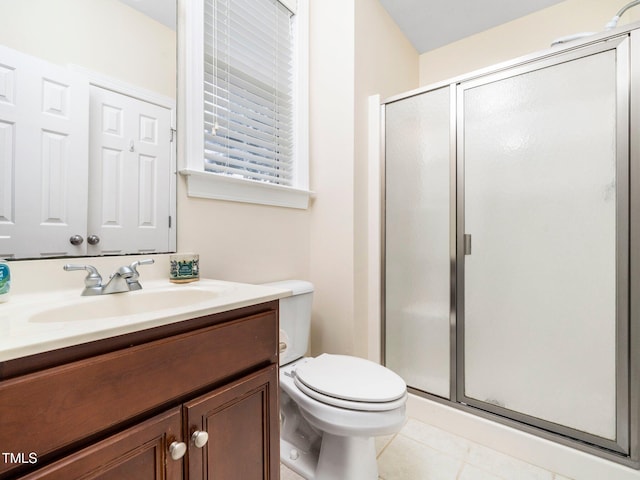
(467, 244)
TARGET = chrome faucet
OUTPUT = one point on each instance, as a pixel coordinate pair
(125, 279)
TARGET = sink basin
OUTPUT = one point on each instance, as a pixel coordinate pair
(123, 304)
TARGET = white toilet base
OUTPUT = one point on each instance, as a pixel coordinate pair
(302, 463)
(352, 458)
(347, 457)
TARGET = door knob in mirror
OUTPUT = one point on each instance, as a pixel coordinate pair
(76, 240)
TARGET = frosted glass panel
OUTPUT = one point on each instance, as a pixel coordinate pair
(540, 204)
(417, 240)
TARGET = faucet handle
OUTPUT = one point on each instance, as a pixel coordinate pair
(93, 278)
(132, 280)
(146, 261)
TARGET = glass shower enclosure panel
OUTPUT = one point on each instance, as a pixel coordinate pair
(417, 247)
(545, 232)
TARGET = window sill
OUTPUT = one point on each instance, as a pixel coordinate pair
(219, 187)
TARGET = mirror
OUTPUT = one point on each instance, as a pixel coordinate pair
(87, 127)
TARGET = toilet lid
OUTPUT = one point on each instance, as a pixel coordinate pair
(351, 378)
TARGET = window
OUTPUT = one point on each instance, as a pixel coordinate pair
(248, 90)
(246, 98)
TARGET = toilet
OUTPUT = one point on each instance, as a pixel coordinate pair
(331, 406)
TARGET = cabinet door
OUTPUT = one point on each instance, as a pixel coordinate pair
(242, 422)
(138, 453)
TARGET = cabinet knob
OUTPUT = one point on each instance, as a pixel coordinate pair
(76, 240)
(177, 450)
(199, 438)
(93, 239)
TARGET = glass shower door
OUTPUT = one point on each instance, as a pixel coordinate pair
(543, 244)
(417, 245)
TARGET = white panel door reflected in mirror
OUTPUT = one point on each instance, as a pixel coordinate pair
(63, 50)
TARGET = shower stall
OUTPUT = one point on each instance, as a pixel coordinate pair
(511, 243)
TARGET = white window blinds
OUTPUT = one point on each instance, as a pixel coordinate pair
(248, 90)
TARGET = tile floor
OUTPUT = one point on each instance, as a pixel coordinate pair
(423, 452)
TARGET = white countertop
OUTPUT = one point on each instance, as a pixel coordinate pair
(38, 322)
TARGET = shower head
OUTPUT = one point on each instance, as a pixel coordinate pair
(611, 24)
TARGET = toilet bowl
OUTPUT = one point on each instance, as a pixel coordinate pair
(331, 406)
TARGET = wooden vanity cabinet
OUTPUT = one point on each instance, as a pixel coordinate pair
(117, 414)
(242, 422)
(137, 453)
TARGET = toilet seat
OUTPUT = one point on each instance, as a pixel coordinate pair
(350, 382)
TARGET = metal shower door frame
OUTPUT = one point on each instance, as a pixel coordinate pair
(622, 443)
(627, 451)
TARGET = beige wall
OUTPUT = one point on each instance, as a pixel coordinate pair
(242, 242)
(358, 53)
(105, 36)
(520, 37)
(331, 123)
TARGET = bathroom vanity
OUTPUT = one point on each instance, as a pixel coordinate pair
(195, 396)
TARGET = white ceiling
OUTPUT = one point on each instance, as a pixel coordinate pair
(430, 24)
(163, 11)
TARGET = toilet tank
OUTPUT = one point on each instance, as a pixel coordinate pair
(295, 319)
